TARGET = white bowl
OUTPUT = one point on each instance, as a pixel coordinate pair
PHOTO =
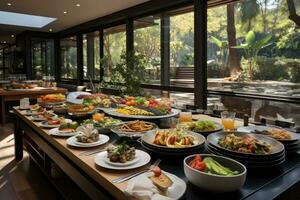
(216, 183)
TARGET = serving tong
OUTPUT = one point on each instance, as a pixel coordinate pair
(134, 174)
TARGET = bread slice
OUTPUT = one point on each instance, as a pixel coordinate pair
(162, 182)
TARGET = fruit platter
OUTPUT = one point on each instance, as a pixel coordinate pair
(142, 108)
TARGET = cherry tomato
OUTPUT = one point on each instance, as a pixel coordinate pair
(156, 170)
(200, 166)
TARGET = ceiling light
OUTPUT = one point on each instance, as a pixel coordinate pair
(50, 29)
(9, 4)
(12, 36)
(65, 12)
(78, 5)
(4, 42)
(18, 19)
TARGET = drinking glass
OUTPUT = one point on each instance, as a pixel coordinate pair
(185, 117)
(227, 119)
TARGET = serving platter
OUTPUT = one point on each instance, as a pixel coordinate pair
(251, 129)
(246, 158)
(171, 153)
(144, 158)
(115, 129)
(259, 163)
(112, 112)
(276, 147)
(149, 137)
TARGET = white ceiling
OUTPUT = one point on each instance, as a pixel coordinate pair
(88, 10)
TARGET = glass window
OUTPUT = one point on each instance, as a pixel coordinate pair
(256, 109)
(253, 47)
(147, 43)
(91, 56)
(182, 47)
(68, 55)
(42, 58)
(114, 45)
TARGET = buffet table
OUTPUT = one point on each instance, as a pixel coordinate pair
(96, 183)
(16, 95)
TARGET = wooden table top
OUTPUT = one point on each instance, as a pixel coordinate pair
(33, 91)
(100, 175)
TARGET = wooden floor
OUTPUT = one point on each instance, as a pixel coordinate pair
(23, 180)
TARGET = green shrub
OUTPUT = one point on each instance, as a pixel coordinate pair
(294, 70)
(271, 69)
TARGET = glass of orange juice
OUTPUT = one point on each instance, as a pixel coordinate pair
(185, 117)
(227, 119)
(98, 116)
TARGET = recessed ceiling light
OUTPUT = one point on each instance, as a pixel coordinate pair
(12, 36)
(18, 19)
(9, 4)
(4, 42)
(50, 29)
(78, 5)
(65, 12)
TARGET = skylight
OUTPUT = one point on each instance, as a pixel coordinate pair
(18, 19)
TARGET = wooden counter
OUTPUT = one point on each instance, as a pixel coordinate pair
(16, 95)
(86, 164)
(95, 182)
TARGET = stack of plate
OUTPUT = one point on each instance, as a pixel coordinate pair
(148, 138)
(274, 158)
(291, 145)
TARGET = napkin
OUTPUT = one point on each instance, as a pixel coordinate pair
(142, 188)
(88, 130)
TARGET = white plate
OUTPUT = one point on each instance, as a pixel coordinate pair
(136, 158)
(72, 141)
(44, 124)
(178, 188)
(251, 129)
(28, 112)
(37, 119)
(56, 132)
(144, 158)
(41, 119)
